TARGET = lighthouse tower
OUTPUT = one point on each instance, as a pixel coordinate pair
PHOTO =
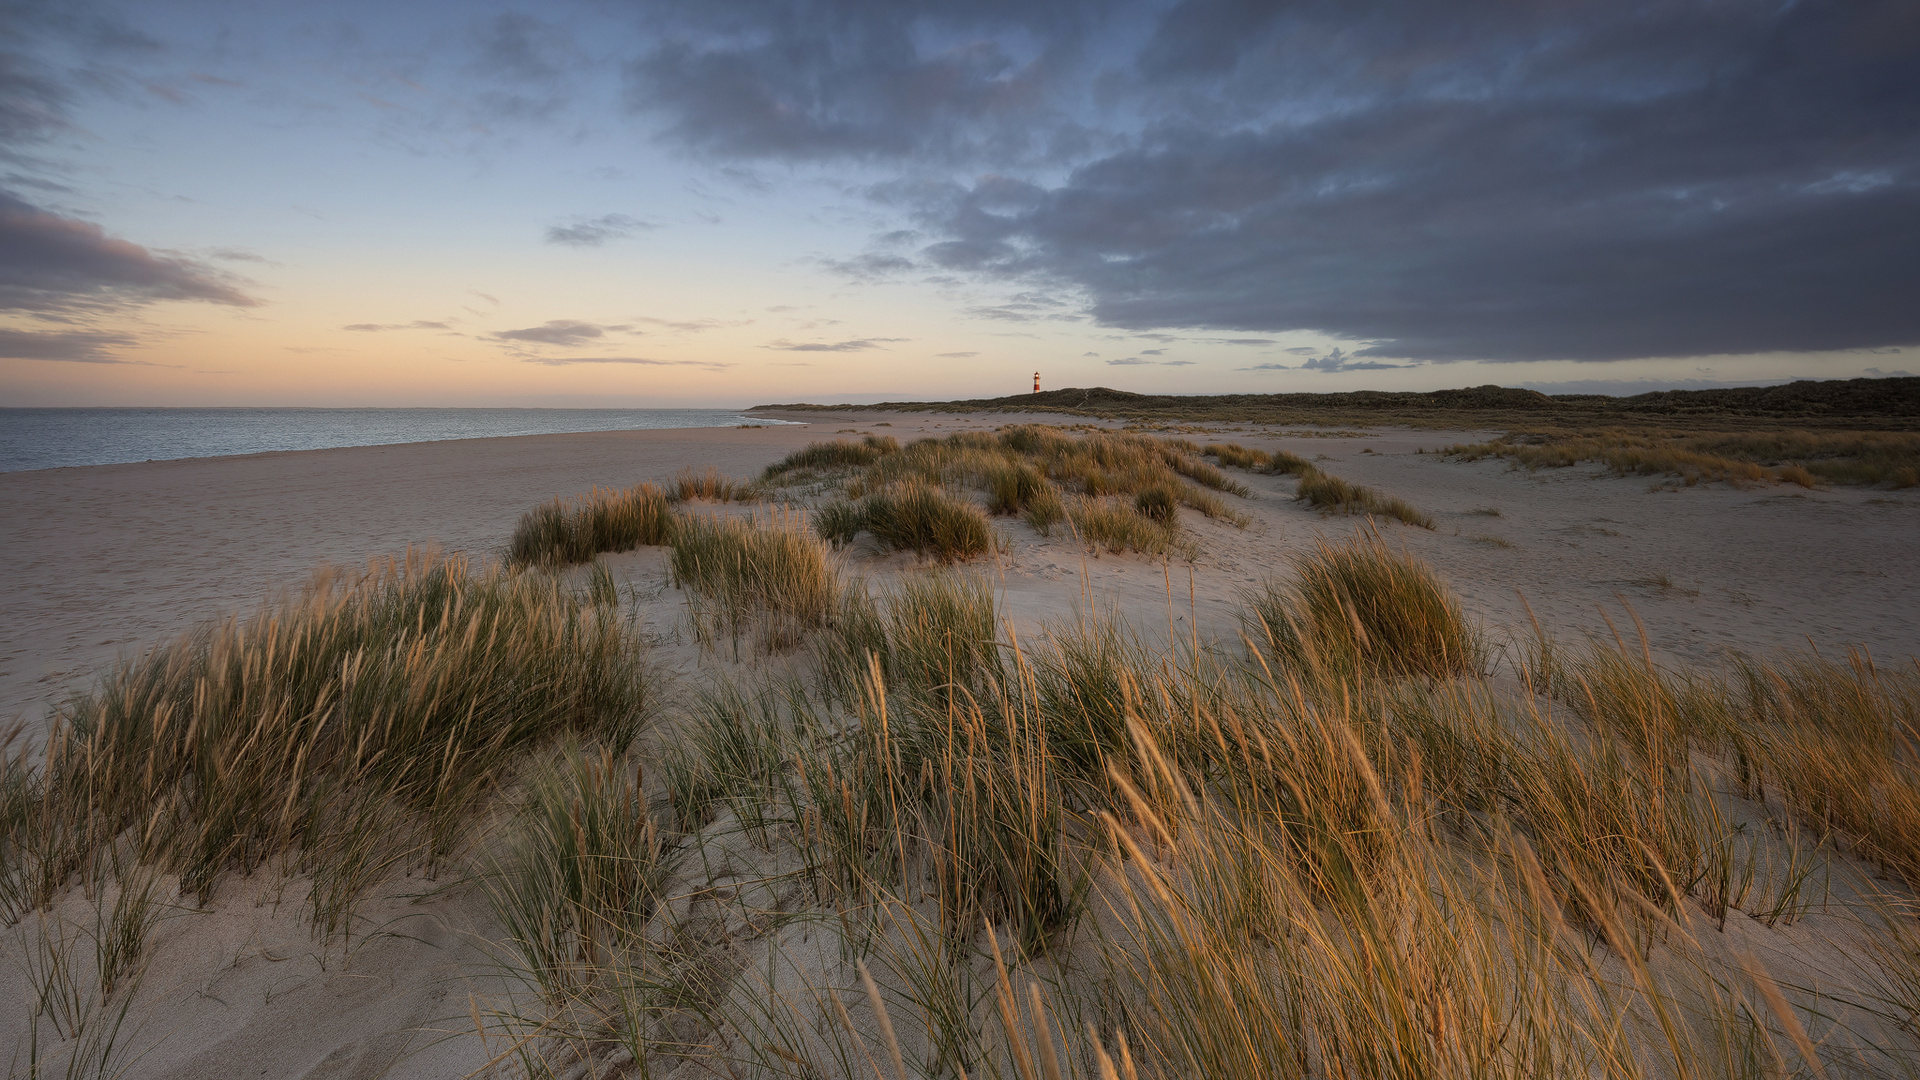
(1036, 382)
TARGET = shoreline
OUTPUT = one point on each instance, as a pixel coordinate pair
(743, 418)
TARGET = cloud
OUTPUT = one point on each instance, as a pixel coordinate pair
(80, 347)
(562, 361)
(1266, 367)
(818, 79)
(417, 324)
(1339, 361)
(856, 345)
(50, 263)
(1131, 361)
(524, 67)
(597, 231)
(691, 326)
(1026, 307)
(957, 355)
(564, 332)
(1577, 181)
(871, 266)
(1877, 373)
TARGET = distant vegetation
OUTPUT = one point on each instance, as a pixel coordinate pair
(1806, 458)
(1874, 404)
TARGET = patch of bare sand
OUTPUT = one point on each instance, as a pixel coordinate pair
(101, 562)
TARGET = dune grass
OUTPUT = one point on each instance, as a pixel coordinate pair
(1358, 604)
(1025, 471)
(767, 576)
(1119, 526)
(341, 732)
(921, 847)
(1803, 458)
(911, 516)
(841, 453)
(1319, 489)
(710, 486)
(574, 531)
(1328, 492)
(1107, 859)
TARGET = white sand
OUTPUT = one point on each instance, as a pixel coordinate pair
(101, 562)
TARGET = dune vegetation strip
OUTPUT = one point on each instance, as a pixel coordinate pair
(1887, 404)
(1129, 488)
(916, 846)
(1318, 489)
(1806, 458)
(1117, 491)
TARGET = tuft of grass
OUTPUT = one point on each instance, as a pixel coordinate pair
(709, 486)
(1160, 505)
(1361, 605)
(347, 729)
(751, 574)
(1837, 740)
(839, 454)
(1118, 527)
(911, 516)
(574, 531)
(581, 872)
(1015, 487)
(1328, 492)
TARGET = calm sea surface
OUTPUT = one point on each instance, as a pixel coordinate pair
(48, 438)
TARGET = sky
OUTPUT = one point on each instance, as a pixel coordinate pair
(680, 203)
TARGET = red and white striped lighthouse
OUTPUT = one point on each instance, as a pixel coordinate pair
(1036, 382)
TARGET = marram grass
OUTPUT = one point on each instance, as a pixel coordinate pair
(343, 731)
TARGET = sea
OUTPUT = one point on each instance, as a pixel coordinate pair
(52, 438)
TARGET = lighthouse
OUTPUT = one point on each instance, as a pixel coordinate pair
(1036, 382)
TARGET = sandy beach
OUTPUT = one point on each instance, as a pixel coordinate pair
(100, 563)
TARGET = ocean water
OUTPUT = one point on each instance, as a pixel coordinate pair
(50, 438)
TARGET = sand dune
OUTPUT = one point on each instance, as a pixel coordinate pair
(101, 562)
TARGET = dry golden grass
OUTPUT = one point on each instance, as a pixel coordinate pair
(910, 516)
(918, 847)
(574, 531)
(767, 575)
(353, 728)
(1805, 458)
(1024, 470)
